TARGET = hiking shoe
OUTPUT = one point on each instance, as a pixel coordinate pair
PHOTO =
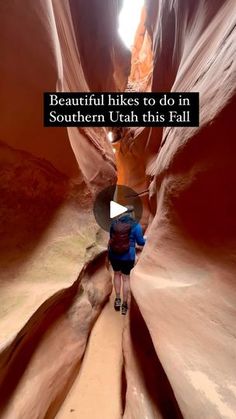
(124, 309)
(117, 304)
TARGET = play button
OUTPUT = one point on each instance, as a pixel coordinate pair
(116, 209)
(112, 202)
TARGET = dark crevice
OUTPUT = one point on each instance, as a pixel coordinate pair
(150, 368)
(123, 389)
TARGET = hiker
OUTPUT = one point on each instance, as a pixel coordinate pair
(125, 232)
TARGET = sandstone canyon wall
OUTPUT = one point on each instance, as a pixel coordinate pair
(48, 179)
(179, 341)
(184, 282)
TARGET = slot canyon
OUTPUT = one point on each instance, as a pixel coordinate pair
(64, 351)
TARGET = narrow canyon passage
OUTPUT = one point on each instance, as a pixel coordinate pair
(96, 392)
(64, 352)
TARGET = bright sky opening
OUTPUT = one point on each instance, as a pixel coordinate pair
(129, 20)
(110, 136)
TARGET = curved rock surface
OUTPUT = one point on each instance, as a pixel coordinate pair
(179, 342)
(184, 281)
(47, 185)
(47, 352)
(56, 64)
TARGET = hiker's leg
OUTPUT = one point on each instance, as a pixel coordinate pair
(117, 286)
(126, 287)
(117, 283)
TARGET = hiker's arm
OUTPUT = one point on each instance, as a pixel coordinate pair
(139, 236)
(111, 231)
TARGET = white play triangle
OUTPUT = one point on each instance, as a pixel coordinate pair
(116, 209)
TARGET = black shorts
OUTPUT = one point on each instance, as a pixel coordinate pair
(124, 266)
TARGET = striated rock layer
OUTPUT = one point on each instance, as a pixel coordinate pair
(56, 64)
(48, 179)
(179, 343)
(184, 280)
(47, 352)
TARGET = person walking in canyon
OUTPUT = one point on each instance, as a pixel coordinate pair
(125, 233)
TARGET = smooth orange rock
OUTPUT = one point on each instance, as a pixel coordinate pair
(48, 178)
(184, 281)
